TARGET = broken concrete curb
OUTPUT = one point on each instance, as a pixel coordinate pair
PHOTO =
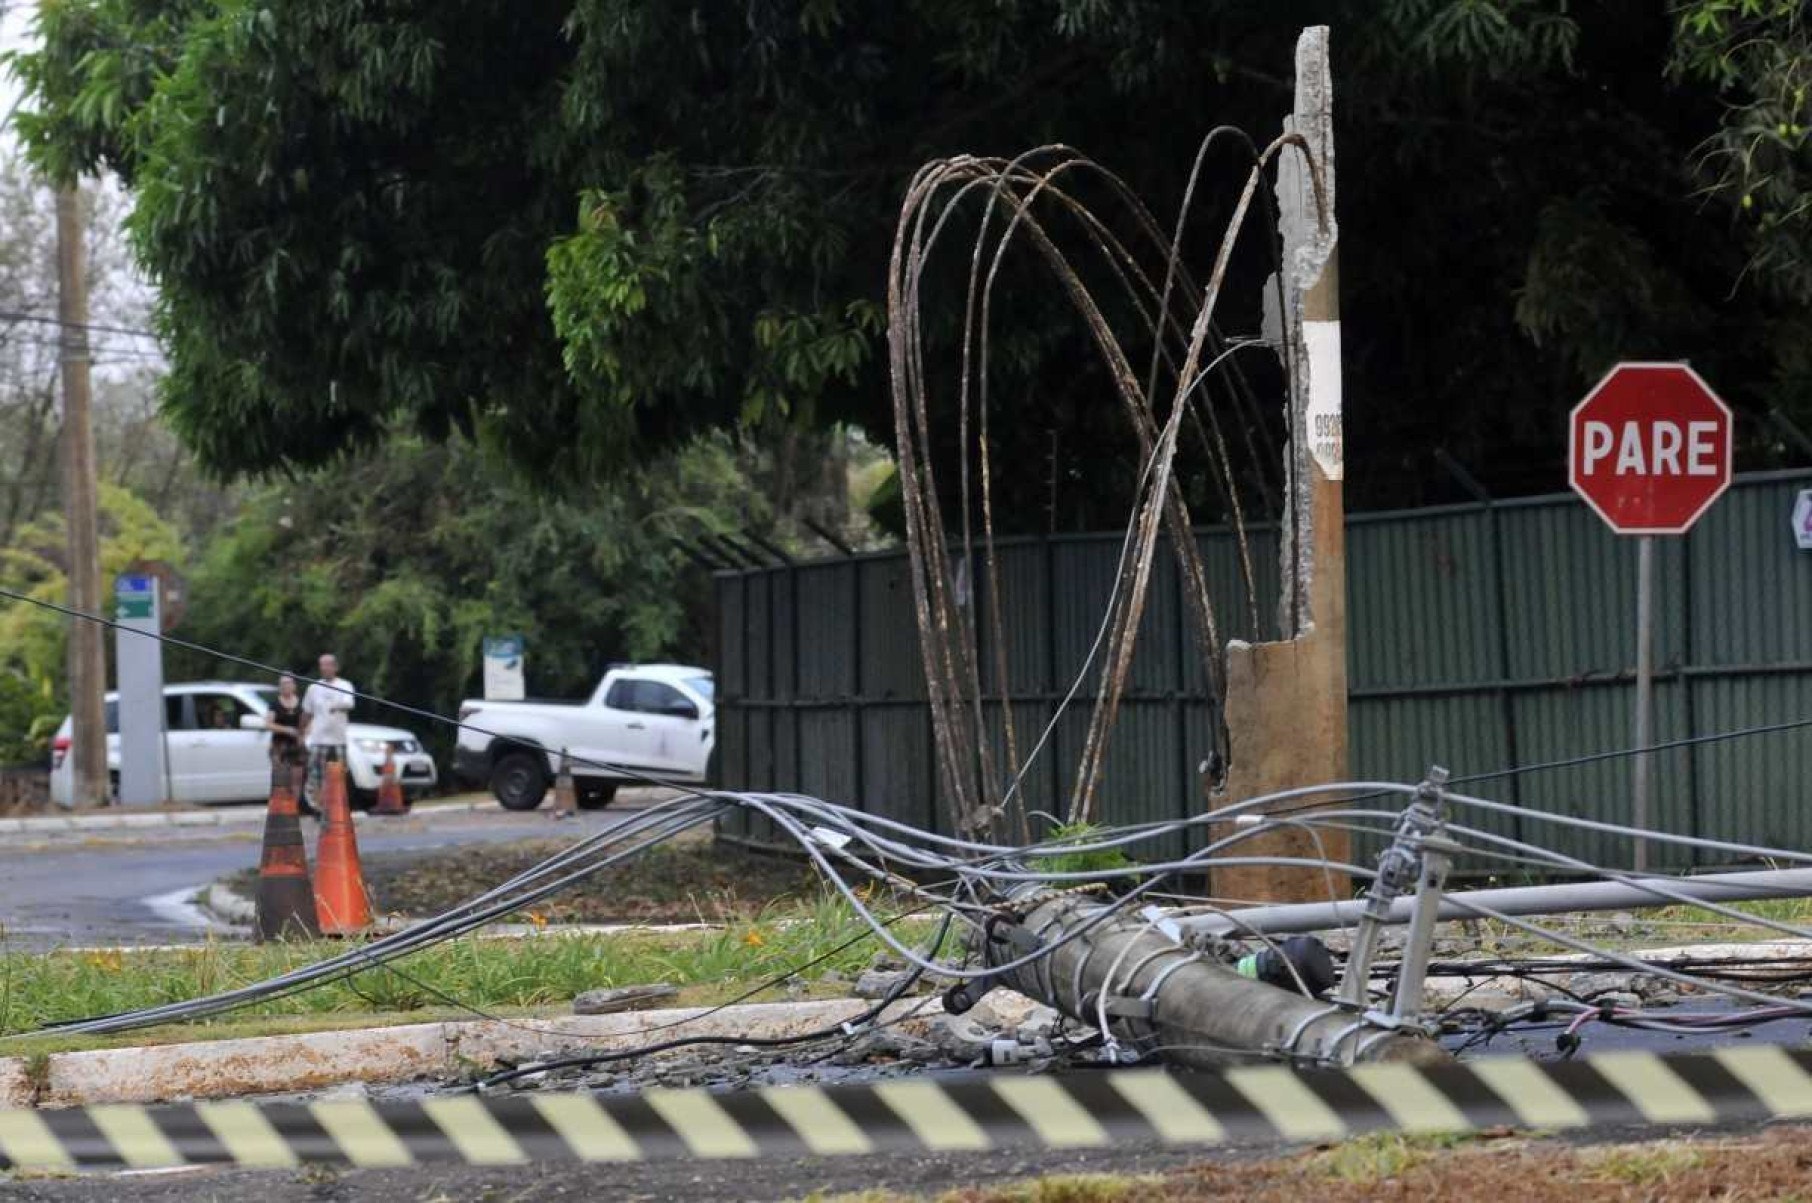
(228, 905)
(321, 1060)
(1493, 989)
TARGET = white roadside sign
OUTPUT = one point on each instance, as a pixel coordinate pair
(139, 655)
(503, 674)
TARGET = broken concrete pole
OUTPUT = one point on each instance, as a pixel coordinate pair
(1159, 996)
(1286, 701)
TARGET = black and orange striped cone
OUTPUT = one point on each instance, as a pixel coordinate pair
(389, 790)
(341, 904)
(286, 900)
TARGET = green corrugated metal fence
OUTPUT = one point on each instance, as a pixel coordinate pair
(1482, 638)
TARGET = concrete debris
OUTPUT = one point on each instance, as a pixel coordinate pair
(1041, 1023)
(623, 998)
(879, 983)
(961, 1038)
(344, 1092)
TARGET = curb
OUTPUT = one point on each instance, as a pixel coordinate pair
(232, 816)
(235, 909)
(218, 817)
(1486, 983)
(1268, 1104)
(227, 905)
(319, 1060)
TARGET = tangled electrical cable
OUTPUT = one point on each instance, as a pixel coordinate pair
(968, 879)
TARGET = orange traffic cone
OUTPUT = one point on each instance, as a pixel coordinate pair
(566, 797)
(286, 905)
(341, 904)
(390, 790)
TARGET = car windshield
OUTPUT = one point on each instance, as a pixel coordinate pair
(704, 687)
(266, 695)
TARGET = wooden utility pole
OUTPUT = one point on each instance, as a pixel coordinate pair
(1286, 701)
(87, 663)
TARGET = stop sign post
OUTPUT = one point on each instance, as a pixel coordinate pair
(1649, 450)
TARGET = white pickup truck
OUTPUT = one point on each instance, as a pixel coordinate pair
(652, 719)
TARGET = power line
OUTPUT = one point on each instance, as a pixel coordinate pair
(650, 779)
(795, 815)
(13, 315)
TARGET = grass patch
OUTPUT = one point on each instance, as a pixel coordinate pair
(490, 974)
(1769, 1165)
(1780, 910)
(1648, 927)
(1072, 1188)
(1098, 861)
(1648, 1165)
(1382, 1156)
(1058, 1188)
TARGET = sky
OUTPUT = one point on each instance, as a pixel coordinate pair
(15, 34)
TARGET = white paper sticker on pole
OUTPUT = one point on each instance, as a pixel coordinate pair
(1322, 421)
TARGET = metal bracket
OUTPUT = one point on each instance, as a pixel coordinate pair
(1399, 867)
(1418, 944)
(1123, 1006)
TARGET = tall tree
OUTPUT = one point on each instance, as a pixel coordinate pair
(401, 561)
(585, 229)
(29, 338)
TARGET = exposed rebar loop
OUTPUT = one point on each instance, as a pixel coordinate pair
(1178, 317)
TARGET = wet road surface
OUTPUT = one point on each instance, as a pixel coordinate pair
(135, 886)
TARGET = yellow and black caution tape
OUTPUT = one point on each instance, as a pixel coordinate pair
(943, 1114)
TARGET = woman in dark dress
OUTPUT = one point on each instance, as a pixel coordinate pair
(284, 721)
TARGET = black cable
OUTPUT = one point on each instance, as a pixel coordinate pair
(12, 315)
(456, 922)
(847, 1027)
(771, 983)
(983, 858)
(646, 778)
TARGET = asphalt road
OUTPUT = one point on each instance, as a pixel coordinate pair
(918, 1175)
(133, 887)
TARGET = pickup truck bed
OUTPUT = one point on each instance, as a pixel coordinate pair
(650, 722)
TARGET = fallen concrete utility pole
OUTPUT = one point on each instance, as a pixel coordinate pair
(1154, 995)
(1523, 900)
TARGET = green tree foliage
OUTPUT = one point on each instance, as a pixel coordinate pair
(1758, 54)
(33, 640)
(401, 563)
(585, 230)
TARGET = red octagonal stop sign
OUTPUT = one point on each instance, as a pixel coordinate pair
(1649, 448)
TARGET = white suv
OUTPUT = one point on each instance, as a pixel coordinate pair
(217, 750)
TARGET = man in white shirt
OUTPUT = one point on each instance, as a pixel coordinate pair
(326, 708)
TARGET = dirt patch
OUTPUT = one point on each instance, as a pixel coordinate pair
(1774, 1164)
(684, 881)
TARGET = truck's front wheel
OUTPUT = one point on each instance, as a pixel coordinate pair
(519, 780)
